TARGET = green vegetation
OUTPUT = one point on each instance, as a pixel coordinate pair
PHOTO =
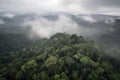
(61, 57)
(12, 42)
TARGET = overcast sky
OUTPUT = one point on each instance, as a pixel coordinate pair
(73, 6)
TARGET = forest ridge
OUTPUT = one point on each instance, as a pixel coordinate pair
(61, 57)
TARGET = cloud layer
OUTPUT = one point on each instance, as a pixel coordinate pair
(44, 27)
(101, 28)
(74, 6)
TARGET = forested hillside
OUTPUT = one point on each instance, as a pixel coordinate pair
(10, 42)
(61, 57)
(13, 42)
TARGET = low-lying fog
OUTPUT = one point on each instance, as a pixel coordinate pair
(102, 28)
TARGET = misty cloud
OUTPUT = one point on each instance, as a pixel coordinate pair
(89, 19)
(43, 27)
(1, 22)
(8, 15)
(110, 21)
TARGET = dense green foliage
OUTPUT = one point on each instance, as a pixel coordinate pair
(62, 57)
(11, 42)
